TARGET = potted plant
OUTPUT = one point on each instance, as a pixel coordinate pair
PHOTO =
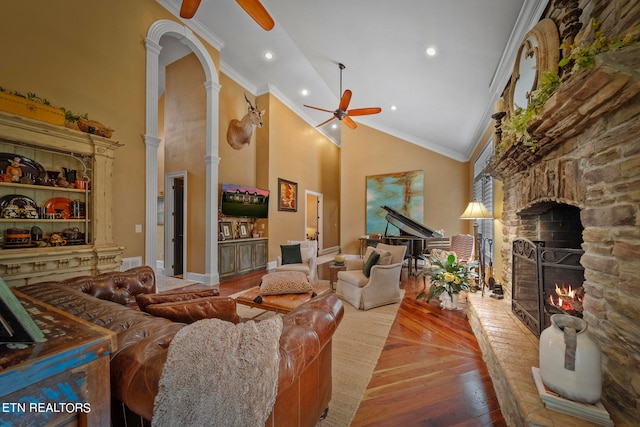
(448, 279)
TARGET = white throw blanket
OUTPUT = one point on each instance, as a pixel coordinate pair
(220, 374)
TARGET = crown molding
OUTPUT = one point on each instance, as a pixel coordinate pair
(195, 25)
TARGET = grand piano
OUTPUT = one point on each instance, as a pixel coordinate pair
(412, 234)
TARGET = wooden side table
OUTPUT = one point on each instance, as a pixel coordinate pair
(333, 273)
(62, 381)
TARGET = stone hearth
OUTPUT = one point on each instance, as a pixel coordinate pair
(510, 350)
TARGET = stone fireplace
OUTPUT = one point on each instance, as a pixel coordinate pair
(587, 165)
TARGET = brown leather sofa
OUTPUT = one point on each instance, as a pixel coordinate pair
(108, 300)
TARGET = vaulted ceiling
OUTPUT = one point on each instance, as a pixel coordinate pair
(441, 102)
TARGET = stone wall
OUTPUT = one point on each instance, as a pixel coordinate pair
(589, 156)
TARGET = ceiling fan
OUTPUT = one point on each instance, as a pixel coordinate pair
(341, 113)
(253, 7)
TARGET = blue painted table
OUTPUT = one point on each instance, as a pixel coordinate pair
(61, 380)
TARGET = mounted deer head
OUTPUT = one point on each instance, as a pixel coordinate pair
(240, 131)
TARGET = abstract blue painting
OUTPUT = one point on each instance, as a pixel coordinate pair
(402, 191)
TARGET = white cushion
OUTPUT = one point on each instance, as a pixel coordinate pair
(354, 278)
(303, 268)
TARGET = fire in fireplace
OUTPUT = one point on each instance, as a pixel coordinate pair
(568, 300)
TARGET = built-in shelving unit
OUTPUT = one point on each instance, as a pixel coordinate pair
(56, 148)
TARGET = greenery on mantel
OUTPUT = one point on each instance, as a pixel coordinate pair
(515, 128)
(584, 54)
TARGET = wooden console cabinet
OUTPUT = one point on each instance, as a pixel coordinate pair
(241, 256)
(59, 382)
(54, 148)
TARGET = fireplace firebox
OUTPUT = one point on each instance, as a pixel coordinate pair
(546, 281)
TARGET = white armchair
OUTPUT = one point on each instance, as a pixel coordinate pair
(381, 287)
(308, 252)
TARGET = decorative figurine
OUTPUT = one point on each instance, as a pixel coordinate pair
(14, 169)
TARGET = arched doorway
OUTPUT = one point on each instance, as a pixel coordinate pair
(152, 141)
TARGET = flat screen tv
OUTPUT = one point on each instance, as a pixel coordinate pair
(240, 200)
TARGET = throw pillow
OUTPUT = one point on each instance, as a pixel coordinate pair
(285, 282)
(291, 254)
(385, 257)
(371, 261)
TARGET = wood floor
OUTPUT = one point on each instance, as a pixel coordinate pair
(430, 372)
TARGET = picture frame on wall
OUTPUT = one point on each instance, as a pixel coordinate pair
(225, 230)
(244, 230)
(287, 195)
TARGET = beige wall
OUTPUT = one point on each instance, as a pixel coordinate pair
(89, 57)
(236, 166)
(185, 148)
(366, 151)
(295, 151)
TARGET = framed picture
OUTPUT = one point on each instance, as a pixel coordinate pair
(225, 230)
(15, 323)
(287, 195)
(244, 230)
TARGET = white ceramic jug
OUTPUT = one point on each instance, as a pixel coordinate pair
(570, 359)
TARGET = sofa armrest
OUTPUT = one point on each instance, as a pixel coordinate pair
(223, 308)
(306, 331)
(144, 300)
(385, 274)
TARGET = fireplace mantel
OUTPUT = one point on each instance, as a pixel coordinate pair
(575, 107)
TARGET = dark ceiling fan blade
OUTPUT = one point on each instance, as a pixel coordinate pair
(317, 108)
(325, 122)
(189, 8)
(347, 121)
(364, 111)
(259, 14)
(344, 101)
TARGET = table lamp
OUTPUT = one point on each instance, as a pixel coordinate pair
(476, 211)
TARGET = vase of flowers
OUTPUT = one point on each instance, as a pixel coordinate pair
(448, 279)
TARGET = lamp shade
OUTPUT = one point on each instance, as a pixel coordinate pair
(475, 210)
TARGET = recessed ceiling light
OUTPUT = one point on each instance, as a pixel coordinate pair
(394, 108)
(268, 55)
(304, 92)
(334, 126)
(431, 51)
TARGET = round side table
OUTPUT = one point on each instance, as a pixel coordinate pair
(333, 273)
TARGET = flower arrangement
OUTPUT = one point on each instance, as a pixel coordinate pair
(448, 276)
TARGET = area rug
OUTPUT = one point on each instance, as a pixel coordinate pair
(167, 283)
(357, 345)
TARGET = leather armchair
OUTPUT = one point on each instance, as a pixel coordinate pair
(381, 287)
(309, 252)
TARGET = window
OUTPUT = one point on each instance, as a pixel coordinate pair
(483, 192)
